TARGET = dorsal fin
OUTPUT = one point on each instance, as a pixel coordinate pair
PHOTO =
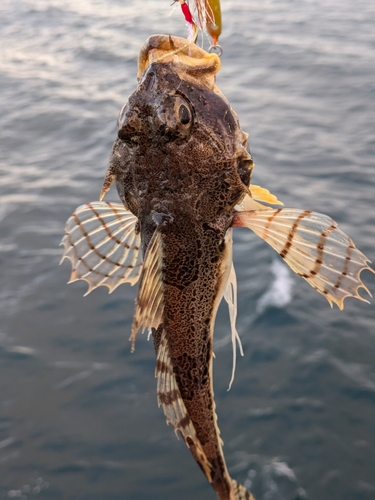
(149, 304)
(102, 245)
(313, 247)
(169, 397)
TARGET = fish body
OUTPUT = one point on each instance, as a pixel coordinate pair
(179, 131)
(182, 169)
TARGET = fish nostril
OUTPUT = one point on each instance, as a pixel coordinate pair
(129, 124)
(149, 81)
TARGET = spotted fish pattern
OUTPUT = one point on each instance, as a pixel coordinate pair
(182, 168)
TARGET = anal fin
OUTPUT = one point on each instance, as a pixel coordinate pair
(240, 492)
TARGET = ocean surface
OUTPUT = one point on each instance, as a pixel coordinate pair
(78, 412)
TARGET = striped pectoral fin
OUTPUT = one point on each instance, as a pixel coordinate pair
(314, 247)
(149, 304)
(102, 245)
(169, 398)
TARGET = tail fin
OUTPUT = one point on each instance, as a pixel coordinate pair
(240, 492)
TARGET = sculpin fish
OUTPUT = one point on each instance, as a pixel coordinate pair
(182, 168)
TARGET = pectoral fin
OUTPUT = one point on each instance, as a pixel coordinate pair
(102, 245)
(169, 397)
(313, 247)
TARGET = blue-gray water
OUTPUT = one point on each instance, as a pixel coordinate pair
(78, 412)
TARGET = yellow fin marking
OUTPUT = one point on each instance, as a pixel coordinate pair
(261, 194)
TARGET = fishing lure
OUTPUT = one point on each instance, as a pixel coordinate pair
(206, 15)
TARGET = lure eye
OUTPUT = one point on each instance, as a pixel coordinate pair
(184, 114)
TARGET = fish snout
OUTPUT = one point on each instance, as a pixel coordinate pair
(130, 124)
(157, 120)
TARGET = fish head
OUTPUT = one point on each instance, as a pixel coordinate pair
(157, 113)
(179, 144)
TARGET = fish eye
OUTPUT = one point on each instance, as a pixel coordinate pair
(184, 114)
(175, 116)
(244, 168)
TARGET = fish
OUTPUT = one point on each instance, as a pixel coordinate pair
(182, 168)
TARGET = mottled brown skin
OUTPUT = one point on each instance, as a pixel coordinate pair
(181, 173)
